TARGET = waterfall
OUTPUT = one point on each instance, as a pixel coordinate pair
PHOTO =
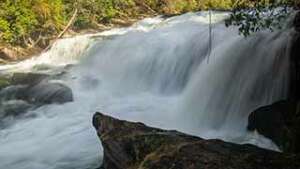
(155, 72)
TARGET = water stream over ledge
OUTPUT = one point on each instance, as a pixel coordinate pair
(155, 72)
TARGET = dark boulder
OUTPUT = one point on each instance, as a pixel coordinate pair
(279, 122)
(130, 145)
(13, 108)
(28, 78)
(40, 94)
(29, 91)
(14, 92)
(48, 93)
(34, 88)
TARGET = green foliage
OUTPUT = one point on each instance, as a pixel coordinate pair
(16, 20)
(216, 4)
(260, 15)
(24, 21)
(21, 19)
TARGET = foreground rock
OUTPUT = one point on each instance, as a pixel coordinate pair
(280, 122)
(135, 146)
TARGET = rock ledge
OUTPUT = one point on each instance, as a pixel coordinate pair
(130, 145)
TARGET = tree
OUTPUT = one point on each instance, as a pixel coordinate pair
(22, 20)
(253, 16)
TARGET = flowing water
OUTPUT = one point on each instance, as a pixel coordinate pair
(156, 72)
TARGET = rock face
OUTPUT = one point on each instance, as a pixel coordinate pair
(130, 145)
(280, 122)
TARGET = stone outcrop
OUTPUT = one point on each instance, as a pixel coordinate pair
(13, 54)
(48, 93)
(130, 145)
(279, 122)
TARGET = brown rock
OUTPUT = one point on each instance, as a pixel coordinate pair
(130, 145)
(8, 54)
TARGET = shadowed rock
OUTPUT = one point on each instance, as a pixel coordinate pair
(130, 145)
(28, 78)
(48, 93)
(280, 122)
(13, 108)
(29, 91)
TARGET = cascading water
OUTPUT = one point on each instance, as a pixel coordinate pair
(154, 72)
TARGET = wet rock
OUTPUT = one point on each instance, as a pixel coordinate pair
(49, 93)
(32, 88)
(28, 78)
(40, 94)
(279, 122)
(130, 145)
(14, 92)
(14, 108)
(4, 82)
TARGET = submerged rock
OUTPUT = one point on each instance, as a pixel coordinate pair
(14, 92)
(48, 93)
(40, 94)
(13, 108)
(28, 78)
(30, 91)
(130, 145)
(279, 122)
(4, 82)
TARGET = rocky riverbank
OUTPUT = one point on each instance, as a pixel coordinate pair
(130, 145)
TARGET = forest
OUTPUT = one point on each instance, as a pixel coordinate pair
(25, 22)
